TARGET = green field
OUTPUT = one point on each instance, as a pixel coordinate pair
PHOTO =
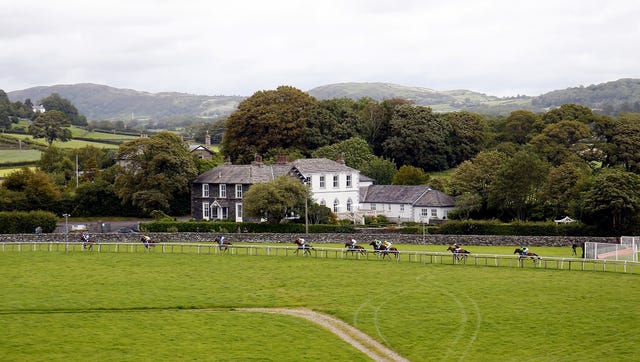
(26, 155)
(153, 306)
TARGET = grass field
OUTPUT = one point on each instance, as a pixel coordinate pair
(26, 155)
(143, 306)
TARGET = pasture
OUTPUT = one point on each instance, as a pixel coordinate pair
(143, 306)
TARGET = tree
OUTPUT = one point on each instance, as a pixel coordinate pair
(155, 174)
(518, 127)
(409, 175)
(268, 120)
(418, 137)
(563, 186)
(613, 200)
(51, 125)
(355, 152)
(332, 121)
(276, 199)
(57, 103)
(380, 170)
(32, 190)
(517, 184)
(468, 135)
(558, 141)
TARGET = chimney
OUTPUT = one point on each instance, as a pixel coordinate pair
(340, 160)
(207, 140)
(281, 159)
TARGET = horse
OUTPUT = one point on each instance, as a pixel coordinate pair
(459, 253)
(147, 241)
(384, 252)
(222, 245)
(357, 249)
(306, 248)
(529, 254)
(87, 244)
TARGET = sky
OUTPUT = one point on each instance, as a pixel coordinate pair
(239, 47)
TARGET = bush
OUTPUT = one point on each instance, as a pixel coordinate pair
(226, 227)
(23, 222)
(471, 227)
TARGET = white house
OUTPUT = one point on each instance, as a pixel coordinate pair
(406, 203)
(218, 193)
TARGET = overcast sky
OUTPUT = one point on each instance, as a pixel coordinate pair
(237, 47)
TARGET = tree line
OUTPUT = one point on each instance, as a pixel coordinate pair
(526, 166)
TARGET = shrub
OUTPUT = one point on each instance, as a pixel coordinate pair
(22, 222)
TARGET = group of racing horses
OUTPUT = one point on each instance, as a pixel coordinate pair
(223, 244)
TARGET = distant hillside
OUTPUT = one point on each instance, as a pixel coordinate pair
(443, 101)
(622, 95)
(101, 102)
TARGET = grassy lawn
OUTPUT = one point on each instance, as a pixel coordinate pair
(143, 306)
(25, 155)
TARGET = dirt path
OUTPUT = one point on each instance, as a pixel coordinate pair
(349, 334)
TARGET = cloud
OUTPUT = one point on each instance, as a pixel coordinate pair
(236, 48)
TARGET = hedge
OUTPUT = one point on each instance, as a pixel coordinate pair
(470, 227)
(233, 227)
(24, 222)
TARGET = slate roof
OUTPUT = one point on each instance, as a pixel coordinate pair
(306, 166)
(407, 194)
(242, 174)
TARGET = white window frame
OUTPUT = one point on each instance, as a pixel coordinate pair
(424, 212)
(223, 191)
(322, 182)
(238, 191)
(434, 212)
(336, 205)
(349, 205)
(206, 212)
(336, 181)
(205, 190)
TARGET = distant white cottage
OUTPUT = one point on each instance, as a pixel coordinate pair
(406, 203)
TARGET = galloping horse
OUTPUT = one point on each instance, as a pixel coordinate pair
(147, 242)
(223, 245)
(384, 252)
(306, 248)
(357, 249)
(459, 253)
(531, 255)
(87, 244)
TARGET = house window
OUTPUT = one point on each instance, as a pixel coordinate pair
(336, 183)
(389, 207)
(323, 203)
(425, 212)
(307, 181)
(322, 182)
(373, 206)
(223, 191)
(214, 213)
(238, 211)
(336, 205)
(349, 205)
(349, 184)
(402, 208)
(434, 213)
(238, 191)
(225, 213)
(205, 210)
(205, 190)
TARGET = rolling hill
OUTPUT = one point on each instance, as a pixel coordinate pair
(101, 102)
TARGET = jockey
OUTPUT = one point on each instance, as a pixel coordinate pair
(146, 239)
(525, 250)
(385, 244)
(221, 240)
(302, 243)
(85, 237)
(352, 242)
(378, 244)
(456, 248)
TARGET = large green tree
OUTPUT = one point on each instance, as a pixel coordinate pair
(155, 174)
(418, 138)
(268, 120)
(517, 184)
(332, 121)
(613, 200)
(51, 125)
(355, 152)
(55, 102)
(467, 137)
(26, 189)
(277, 199)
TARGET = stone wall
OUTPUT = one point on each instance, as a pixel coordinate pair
(363, 238)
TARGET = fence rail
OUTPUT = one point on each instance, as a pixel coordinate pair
(422, 257)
